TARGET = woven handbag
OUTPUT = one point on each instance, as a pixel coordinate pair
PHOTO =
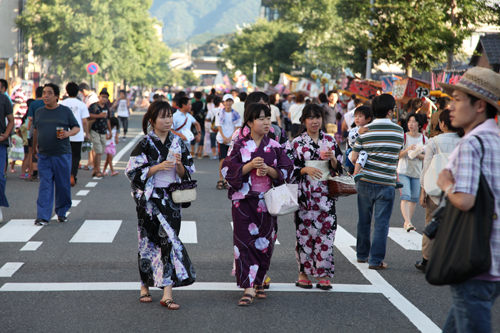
(341, 186)
(184, 191)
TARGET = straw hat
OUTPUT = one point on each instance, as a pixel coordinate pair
(480, 82)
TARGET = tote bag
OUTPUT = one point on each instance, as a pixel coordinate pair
(438, 163)
(282, 200)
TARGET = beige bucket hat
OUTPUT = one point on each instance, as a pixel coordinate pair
(480, 82)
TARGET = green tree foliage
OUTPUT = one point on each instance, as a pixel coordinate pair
(213, 47)
(117, 34)
(180, 77)
(274, 46)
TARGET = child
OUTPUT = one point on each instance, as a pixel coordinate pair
(362, 116)
(110, 150)
(17, 151)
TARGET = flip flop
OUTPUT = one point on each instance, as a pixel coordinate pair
(304, 284)
(115, 173)
(382, 266)
(409, 227)
(323, 285)
(146, 298)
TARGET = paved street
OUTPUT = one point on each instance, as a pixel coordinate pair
(82, 276)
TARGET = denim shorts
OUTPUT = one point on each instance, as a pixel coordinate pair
(213, 140)
(411, 188)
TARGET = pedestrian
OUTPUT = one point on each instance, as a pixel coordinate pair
(474, 107)
(4, 89)
(110, 150)
(254, 164)
(349, 118)
(89, 98)
(199, 113)
(330, 115)
(227, 121)
(207, 148)
(351, 105)
(24, 136)
(275, 111)
(163, 259)
(210, 120)
(81, 114)
(443, 143)
(17, 150)
(284, 113)
(5, 130)
(32, 174)
(54, 124)
(100, 112)
(376, 188)
(316, 155)
(338, 135)
(443, 104)
(122, 105)
(183, 121)
(239, 106)
(295, 113)
(410, 167)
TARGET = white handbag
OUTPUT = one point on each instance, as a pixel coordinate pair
(282, 200)
(183, 196)
(438, 163)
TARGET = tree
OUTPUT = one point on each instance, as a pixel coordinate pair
(274, 46)
(180, 77)
(213, 47)
(117, 34)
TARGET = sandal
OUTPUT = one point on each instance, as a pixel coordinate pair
(246, 300)
(114, 173)
(13, 171)
(226, 185)
(169, 304)
(220, 185)
(98, 174)
(361, 261)
(382, 266)
(267, 283)
(305, 284)
(409, 227)
(324, 285)
(260, 293)
(146, 298)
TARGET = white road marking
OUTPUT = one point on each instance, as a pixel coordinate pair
(31, 246)
(10, 268)
(198, 286)
(188, 234)
(91, 184)
(97, 178)
(19, 231)
(344, 237)
(409, 240)
(83, 192)
(277, 241)
(55, 216)
(129, 145)
(75, 203)
(97, 231)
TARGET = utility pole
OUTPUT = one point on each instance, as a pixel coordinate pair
(368, 74)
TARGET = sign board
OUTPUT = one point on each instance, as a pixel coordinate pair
(408, 88)
(28, 87)
(110, 86)
(92, 68)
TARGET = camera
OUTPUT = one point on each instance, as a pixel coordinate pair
(431, 229)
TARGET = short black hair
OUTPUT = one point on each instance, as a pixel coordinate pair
(55, 88)
(382, 104)
(256, 97)
(183, 101)
(39, 92)
(123, 91)
(181, 94)
(210, 98)
(4, 84)
(312, 110)
(322, 98)
(416, 104)
(253, 111)
(353, 96)
(71, 89)
(418, 118)
(216, 101)
(358, 101)
(242, 96)
(156, 97)
(197, 95)
(491, 111)
(113, 121)
(332, 92)
(83, 86)
(443, 102)
(366, 111)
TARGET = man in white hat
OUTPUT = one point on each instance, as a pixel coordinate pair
(474, 107)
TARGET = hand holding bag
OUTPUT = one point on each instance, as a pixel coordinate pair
(341, 186)
(282, 200)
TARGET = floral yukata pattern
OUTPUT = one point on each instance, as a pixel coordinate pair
(316, 219)
(254, 232)
(162, 258)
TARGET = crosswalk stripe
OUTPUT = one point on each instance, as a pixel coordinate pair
(277, 241)
(97, 231)
(91, 184)
(55, 216)
(18, 231)
(83, 192)
(10, 268)
(408, 240)
(31, 246)
(188, 234)
(75, 203)
(342, 237)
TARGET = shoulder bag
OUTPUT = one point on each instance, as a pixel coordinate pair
(461, 249)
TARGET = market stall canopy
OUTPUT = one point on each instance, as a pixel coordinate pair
(410, 88)
(364, 87)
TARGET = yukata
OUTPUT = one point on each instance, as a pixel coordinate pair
(276, 133)
(316, 219)
(254, 232)
(162, 258)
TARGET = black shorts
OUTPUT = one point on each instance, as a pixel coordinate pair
(26, 150)
(30, 142)
(222, 151)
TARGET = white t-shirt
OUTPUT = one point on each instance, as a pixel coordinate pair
(274, 113)
(80, 111)
(122, 109)
(111, 142)
(211, 114)
(179, 119)
(240, 108)
(407, 167)
(349, 119)
(296, 112)
(350, 105)
(228, 126)
(91, 99)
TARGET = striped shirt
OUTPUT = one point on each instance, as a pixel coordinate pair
(382, 143)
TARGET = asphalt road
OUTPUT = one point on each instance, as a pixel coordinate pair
(70, 285)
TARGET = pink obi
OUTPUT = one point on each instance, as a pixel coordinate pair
(260, 184)
(164, 178)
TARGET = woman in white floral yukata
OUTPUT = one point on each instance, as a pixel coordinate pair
(159, 159)
(316, 154)
(254, 164)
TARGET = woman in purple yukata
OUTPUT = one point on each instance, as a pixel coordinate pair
(159, 159)
(254, 164)
(316, 155)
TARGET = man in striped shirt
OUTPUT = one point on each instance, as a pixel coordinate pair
(376, 187)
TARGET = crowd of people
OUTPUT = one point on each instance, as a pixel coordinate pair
(256, 154)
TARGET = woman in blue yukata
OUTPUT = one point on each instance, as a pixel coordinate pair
(254, 164)
(159, 159)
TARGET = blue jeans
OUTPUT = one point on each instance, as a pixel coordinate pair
(381, 198)
(54, 171)
(471, 307)
(3, 181)
(411, 188)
